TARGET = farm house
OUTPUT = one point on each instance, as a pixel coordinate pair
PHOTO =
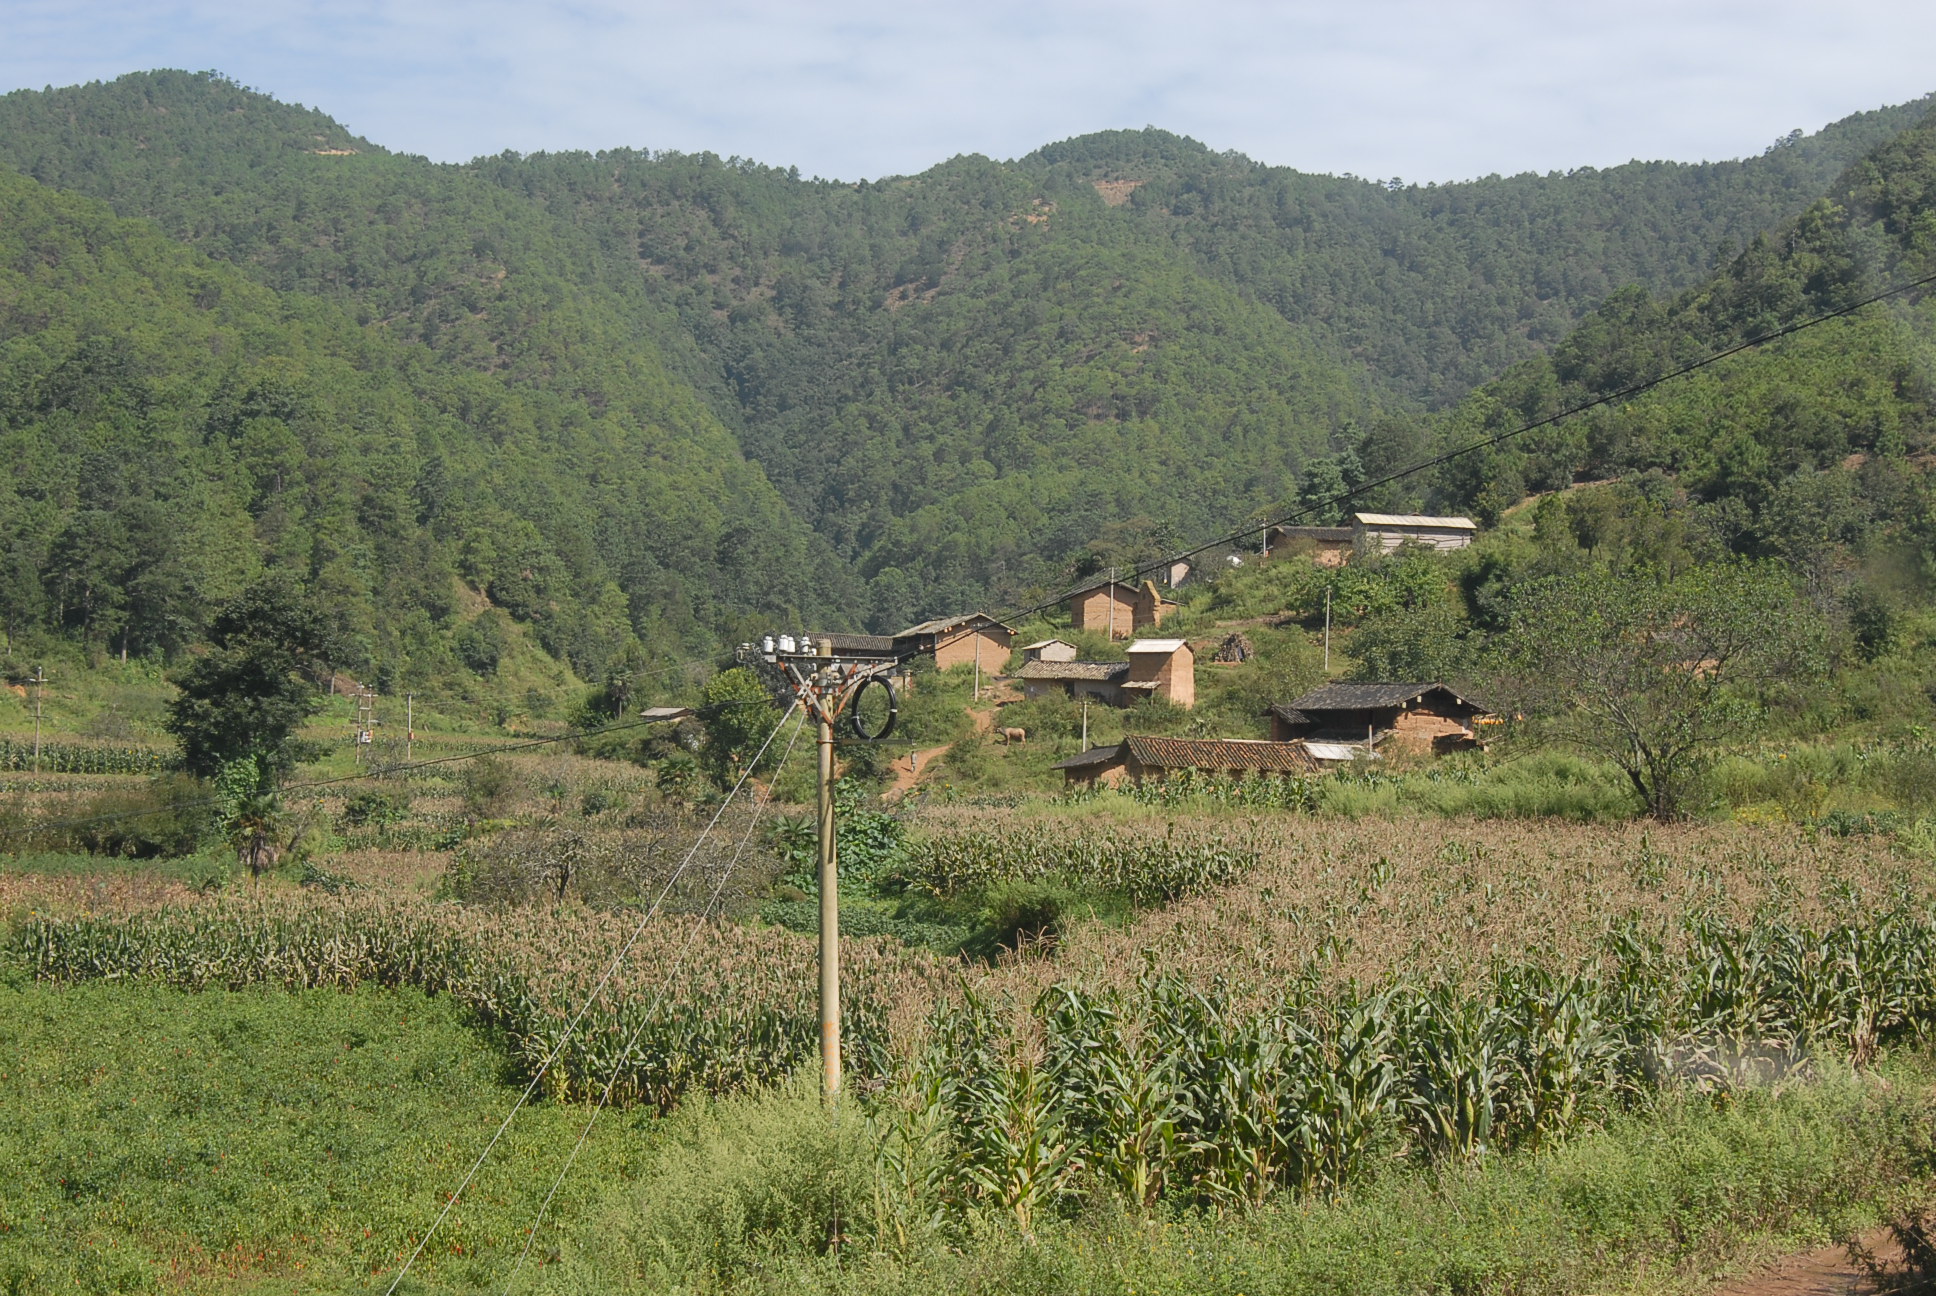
(1377, 533)
(960, 641)
(1141, 757)
(1416, 717)
(1119, 609)
(1164, 668)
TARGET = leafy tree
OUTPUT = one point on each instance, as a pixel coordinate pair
(1653, 675)
(738, 716)
(246, 697)
(251, 811)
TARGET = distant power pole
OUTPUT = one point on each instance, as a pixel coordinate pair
(365, 722)
(1327, 629)
(40, 687)
(409, 724)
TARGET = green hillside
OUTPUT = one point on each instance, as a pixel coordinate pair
(172, 427)
(647, 402)
(1811, 445)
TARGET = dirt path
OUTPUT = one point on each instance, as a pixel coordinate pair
(1826, 1271)
(906, 776)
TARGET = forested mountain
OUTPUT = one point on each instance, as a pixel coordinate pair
(1808, 447)
(671, 397)
(169, 427)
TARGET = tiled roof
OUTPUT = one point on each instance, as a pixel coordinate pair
(1075, 670)
(1219, 754)
(1358, 697)
(944, 624)
(1094, 756)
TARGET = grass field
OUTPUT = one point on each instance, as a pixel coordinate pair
(156, 1140)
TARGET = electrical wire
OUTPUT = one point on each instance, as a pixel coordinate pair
(762, 804)
(383, 772)
(1624, 393)
(598, 989)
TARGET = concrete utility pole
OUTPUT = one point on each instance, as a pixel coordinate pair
(826, 685)
(1085, 722)
(1327, 629)
(1112, 602)
(977, 666)
(40, 687)
(829, 908)
(409, 724)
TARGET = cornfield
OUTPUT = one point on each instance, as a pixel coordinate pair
(1165, 1089)
(1364, 996)
(696, 1005)
(85, 758)
(1149, 868)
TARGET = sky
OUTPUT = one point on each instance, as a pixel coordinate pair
(853, 89)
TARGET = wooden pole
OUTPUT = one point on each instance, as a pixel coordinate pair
(829, 911)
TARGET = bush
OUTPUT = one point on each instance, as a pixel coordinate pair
(374, 807)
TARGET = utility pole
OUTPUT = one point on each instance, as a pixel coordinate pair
(409, 724)
(825, 685)
(1112, 602)
(829, 907)
(40, 687)
(365, 722)
(1327, 629)
(977, 666)
(1085, 722)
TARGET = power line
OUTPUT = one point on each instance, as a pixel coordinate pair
(598, 989)
(383, 772)
(1624, 393)
(719, 888)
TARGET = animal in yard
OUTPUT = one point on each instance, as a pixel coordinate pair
(1011, 736)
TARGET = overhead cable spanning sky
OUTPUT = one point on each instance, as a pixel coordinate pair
(850, 89)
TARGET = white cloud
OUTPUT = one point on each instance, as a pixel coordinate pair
(856, 88)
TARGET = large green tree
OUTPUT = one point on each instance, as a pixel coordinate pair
(257, 683)
(1655, 674)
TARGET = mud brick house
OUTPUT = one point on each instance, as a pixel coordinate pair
(1377, 533)
(1049, 650)
(1413, 717)
(960, 641)
(1076, 679)
(1164, 668)
(1119, 609)
(1139, 758)
(1327, 546)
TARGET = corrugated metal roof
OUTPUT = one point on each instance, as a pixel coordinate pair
(1338, 751)
(1358, 697)
(665, 713)
(1076, 670)
(1219, 754)
(1415, 520)
(1335, 535)
(1164, 646)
